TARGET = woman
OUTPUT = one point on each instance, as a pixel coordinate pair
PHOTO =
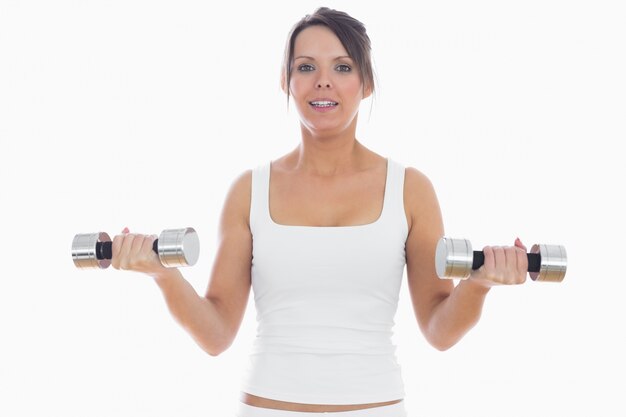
(323, 234)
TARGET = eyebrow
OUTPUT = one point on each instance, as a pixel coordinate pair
(313, 59)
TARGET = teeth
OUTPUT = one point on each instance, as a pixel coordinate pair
(324, 103)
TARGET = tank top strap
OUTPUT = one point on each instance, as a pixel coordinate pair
(394, 193)
(259, 198)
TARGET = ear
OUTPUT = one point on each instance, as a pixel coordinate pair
(367, 90)
(283, 81)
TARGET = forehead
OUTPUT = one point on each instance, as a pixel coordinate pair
(318, 41)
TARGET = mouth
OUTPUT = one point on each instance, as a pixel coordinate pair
(323, 104)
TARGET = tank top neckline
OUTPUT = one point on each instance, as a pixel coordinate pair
(378, 220)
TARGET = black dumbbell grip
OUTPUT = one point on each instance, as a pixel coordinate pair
(104, 250)
(534, 261)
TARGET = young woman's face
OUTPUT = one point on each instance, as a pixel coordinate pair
(325, 84)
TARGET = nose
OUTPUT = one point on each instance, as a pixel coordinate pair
(323, 80)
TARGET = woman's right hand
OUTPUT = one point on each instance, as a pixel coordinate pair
(503, 265)
(133, 252)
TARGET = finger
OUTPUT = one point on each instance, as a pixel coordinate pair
(522, 261)
(509, 268)
(116, 250)
(500, 263)
(522, 265)
(126, 250)
(489, 263)
(146, 248)
(135, 249)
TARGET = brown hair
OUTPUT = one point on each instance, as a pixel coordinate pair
(351, 34)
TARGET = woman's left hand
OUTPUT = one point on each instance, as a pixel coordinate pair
(504, 265)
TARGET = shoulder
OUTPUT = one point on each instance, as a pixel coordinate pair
(237, 204)
(416, 183)
(241, 185)
(420, 199)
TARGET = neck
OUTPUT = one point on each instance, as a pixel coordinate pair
(330, 153)
(328, 156)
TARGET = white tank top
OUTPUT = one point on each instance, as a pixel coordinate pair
(326, 298)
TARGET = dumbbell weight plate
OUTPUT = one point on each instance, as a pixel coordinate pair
(84, 250)
(553, 263)
(178, 247)
(453, 258)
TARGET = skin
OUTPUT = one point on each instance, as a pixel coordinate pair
(330, 179)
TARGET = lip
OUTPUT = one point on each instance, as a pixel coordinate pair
(323, 109)
(323, 99)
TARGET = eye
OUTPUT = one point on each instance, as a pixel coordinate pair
(305, 68)
(343, 68)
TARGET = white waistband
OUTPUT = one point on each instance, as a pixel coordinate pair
(393, 410)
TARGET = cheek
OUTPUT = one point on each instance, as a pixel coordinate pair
(354, 87)
(296, 86)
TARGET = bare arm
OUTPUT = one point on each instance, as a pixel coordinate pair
(444, 312)
(214, 319)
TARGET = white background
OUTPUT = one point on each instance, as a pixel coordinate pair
(141, 113)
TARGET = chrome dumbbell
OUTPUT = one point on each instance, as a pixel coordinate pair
(455, 259)
(175, 247)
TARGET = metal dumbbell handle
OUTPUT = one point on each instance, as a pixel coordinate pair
(455, 259)
(534, 261)
(104, 250)
(175, 248)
